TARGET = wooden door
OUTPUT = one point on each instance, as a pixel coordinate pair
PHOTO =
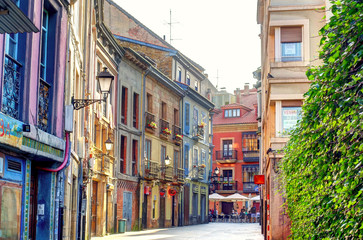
(162, 212)
(144, 212)
(94, 203)
(186, 205)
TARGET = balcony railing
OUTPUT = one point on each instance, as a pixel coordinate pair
(106, 163)
(180, 175)
(167, 173)
(151, 169)
(250, 187)
(225, 186)
(164, 128)
(197, 173)
(44, 101)
(198, 132)
(226, 156)
(11, 87)
(177, 135)
(150, 121)
(251, 156)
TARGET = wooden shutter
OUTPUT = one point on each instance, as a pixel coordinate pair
(291, 34)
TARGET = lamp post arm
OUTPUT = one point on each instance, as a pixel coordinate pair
(81, 103)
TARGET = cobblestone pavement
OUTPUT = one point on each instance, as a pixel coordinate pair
(211, 231)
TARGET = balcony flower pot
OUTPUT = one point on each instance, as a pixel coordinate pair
(166, 131)
(178, 137)
(152, 125)
(202, 125)
(202, 166)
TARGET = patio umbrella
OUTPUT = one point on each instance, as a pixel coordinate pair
(255, 198)
(236, 197)
(216, 197)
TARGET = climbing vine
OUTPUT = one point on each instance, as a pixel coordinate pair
(322, 171)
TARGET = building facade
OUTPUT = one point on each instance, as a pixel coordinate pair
(33, 152)
(196, 155)
(236, 151)
(289, 46)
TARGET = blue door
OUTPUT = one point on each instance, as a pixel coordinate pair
(127, 209)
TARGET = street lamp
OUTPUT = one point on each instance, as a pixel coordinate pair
(216, 171)
(167, 160)
(104, 82)
(108, 144)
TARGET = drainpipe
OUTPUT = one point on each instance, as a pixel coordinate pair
(183, 166)
(142, 155)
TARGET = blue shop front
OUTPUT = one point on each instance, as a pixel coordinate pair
(28, 192)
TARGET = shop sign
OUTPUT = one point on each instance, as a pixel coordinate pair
(11, 131)
(147, 190)
(259, 179)
(171, 192)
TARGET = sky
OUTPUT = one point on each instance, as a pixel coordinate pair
(220, 36)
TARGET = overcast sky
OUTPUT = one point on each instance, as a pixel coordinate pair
(218, 35)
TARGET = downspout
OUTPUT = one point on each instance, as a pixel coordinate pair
(142, 155)
(183, 166)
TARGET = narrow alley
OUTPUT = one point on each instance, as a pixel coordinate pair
(230, 231)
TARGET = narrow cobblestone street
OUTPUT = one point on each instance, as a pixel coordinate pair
(227, 231)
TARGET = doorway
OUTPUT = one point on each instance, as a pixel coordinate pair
(227, 207)
(127, 209)
(144, 212)
(162, 212)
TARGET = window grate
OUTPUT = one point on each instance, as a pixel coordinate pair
(14, 165)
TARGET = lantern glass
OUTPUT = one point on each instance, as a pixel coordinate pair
(108, 144)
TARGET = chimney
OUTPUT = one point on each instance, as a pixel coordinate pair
(247, 89)
(238, 95)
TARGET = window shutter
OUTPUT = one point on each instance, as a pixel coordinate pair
(291, 34)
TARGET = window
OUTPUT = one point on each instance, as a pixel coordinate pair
(290, 116)
(196, 85)
(176, 117)
(148, 149)
(163, 110)
(249, 142)
(227, 178)
(186, 159)
(124, 106)
(179, 74)
(135, 117)
(228, 113)
(195, 156)
(123, 155)
(149, 103)
(187, 118)
(163, 155)
(176, 160)
(188, 80)
(227, 148)
(289, 40)
(135, 144)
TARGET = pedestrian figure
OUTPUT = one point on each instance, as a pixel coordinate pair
(249, 216)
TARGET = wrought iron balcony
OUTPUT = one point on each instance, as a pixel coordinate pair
(177, 135)
(197, 173)
(167, 173)
(225, 186)
(11, 87)
(150, 121)
(164, 129)
(226, 156)
(44, 105)
(151, 169)
(251, 156)
(250, 187)
(198, 132)
(180, 175)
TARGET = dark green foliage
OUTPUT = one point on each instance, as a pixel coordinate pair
(322, 171)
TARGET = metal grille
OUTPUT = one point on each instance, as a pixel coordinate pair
(14, 165)
(43, 112)
(11, 88)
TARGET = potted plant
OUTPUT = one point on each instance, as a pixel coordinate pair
(202, 124)
(202, 165)
(178, 136)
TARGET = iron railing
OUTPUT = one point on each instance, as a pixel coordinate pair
(151, 169)
(11, 87)
(164, 128)
(149, 119)
(225, 155)
(224, 186)
(180, 175)
(167, 173)
(44, 105)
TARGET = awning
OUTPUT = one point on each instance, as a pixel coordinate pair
(13, 20)
(215, 197)
(236, 197)
(255, 198)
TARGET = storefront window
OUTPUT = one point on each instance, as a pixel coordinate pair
(290, 116)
